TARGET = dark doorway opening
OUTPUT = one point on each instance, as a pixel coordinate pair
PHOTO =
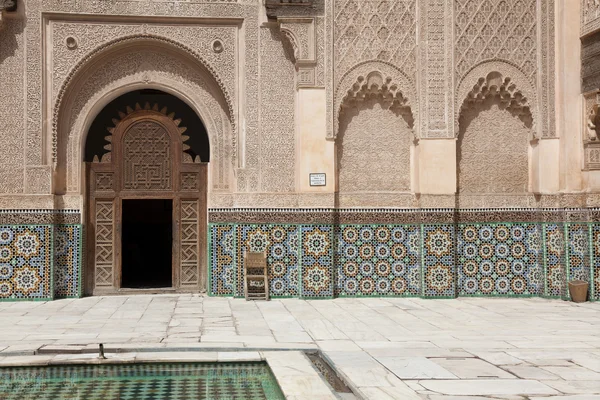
(147, 242)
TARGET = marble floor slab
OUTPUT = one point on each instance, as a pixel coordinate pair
(386, 348)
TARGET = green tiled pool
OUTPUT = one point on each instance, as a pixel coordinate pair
(173, 381)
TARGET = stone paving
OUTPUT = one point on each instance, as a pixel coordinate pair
(468, 348)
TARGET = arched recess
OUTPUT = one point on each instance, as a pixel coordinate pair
(495, 128)
(389, 73)
(134, 63)
(376, 134)
(146, 201)
(518, 79)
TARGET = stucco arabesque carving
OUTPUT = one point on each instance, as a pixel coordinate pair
(126, 71)
(497, 78)
(376, 79)
(302, 35)
(120, 41)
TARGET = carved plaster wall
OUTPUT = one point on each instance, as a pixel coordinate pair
(373, 36)
(493, 149)
(514, 38)
(128, 69)
(373, 149)
(12, 106)
(277, 91)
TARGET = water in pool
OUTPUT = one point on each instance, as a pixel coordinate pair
(174, 381)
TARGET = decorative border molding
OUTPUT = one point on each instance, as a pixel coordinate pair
(400, 216)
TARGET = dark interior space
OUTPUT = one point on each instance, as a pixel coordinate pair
(147, 243)
(198, 140)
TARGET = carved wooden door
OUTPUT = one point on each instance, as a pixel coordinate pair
(146, 159)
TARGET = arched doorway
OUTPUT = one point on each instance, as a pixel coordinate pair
(146, 156)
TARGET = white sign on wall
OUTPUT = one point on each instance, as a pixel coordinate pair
(318, 179)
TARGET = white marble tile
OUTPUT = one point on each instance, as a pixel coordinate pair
(488, 387)
(574, 373)
(531, 372)
(415, 368)
(471, 368)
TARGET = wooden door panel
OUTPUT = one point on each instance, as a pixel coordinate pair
(146, 162)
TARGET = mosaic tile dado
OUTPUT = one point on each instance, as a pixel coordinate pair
(500, 259)
(378, 260)
(26, 262)
(68, 254)
(428, 260)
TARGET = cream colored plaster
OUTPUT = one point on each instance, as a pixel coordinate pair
(315, 153)
(545, 168)
(568, 94)
(437, 166)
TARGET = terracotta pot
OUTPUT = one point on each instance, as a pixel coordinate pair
(578, 291)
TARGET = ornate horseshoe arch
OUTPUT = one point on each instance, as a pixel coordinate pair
(147, 159)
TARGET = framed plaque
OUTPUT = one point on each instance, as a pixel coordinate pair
(319, 179)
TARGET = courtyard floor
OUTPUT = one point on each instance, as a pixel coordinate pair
(468, 348)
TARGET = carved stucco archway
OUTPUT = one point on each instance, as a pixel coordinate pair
(390, 74)
(484, 165)
(505, 70)
(132, 64)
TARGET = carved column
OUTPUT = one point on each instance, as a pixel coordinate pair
(437, 146)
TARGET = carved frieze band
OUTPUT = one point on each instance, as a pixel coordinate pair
(400, 216)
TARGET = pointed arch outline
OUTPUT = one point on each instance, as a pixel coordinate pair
(475, 86)
(391, 77)
(107, 47)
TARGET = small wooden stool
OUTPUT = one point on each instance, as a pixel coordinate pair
(256, 280)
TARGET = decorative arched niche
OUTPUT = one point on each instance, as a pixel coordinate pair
(134, 63)
(495, 128)
(376, 133)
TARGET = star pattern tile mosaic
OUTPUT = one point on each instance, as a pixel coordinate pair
(317, 261)
(223, 265)
(280, 242)
(438, 261)
(26, 262)
(427, 260)
(67, 261)
(578, 252)
(378, 260)
(595, 290)
(555, 260)
(499, 259)
(185, 381)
